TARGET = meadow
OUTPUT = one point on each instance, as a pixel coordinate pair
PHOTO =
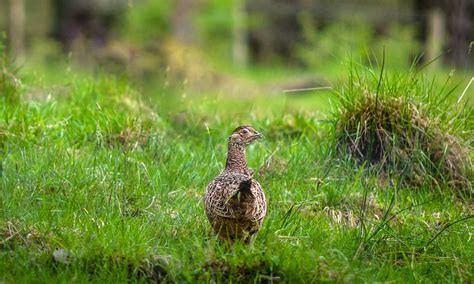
(103, 181)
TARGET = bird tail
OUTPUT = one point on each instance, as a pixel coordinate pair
(243, 193)
(245, 186)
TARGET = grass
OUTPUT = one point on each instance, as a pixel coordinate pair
(406, 125)
(101, 184)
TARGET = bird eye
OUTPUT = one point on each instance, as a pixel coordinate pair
(245, 131)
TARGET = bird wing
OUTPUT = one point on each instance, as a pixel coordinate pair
(260, 204)
(235, 196)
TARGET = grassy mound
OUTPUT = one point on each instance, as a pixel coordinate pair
(405, 126)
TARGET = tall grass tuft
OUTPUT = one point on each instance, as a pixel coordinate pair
(405, 124)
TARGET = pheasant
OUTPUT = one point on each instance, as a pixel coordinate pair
(234, 202)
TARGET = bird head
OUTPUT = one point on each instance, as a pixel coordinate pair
(244, 136)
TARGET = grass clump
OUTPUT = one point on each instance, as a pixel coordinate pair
(406, 126)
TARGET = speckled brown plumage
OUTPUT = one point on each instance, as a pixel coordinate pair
(235, 202)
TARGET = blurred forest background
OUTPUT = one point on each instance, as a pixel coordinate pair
(202, 42)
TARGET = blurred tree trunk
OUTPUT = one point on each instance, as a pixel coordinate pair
(70, 19)
(17, 27)
(458, 26)
(279, 31)
(239, 48)
(182, 26)
(91, 20)
(460, 29)
(435, 34)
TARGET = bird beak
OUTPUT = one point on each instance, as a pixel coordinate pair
(259, 135)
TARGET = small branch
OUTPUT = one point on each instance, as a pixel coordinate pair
(291, 238)
(307, 89)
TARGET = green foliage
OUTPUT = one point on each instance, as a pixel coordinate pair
(335, 42)
(215, 23)
(403, 46)
(147, 20)
(356, 40)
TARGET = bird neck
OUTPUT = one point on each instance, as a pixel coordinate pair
(236, 160)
